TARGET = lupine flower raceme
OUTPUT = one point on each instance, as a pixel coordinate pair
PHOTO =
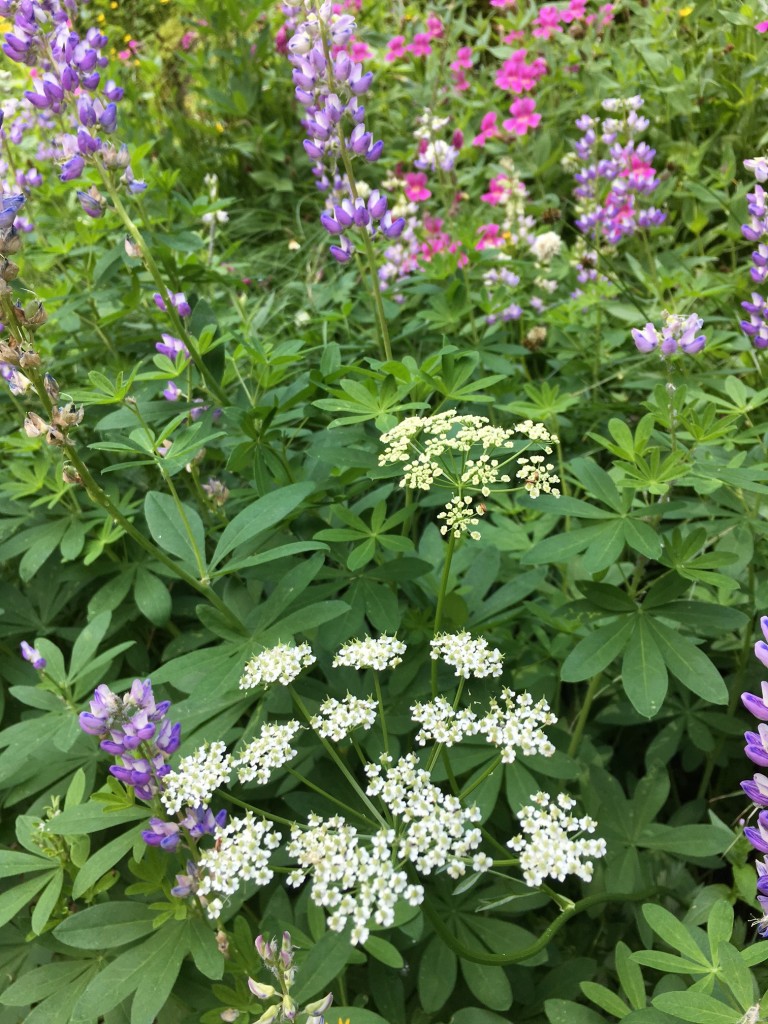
(756, 788)
(678, 334)
(756, 231)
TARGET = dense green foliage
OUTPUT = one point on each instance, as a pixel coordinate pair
(154, 544)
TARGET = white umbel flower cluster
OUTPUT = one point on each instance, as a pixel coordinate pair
(451, 446)
(270, 750)
(351, 878)
(241, 854)
(459, 515)
(537, 475)
(436, 834)
(281, 664)
(517, 725)
(382, 653)
(544, 247)
(551, 845)
(335, 719)
(197, 778)
(468, 656)
(439, 722)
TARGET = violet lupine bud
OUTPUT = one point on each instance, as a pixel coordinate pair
(165, 834)
(72, 168)
(187, 884)
(171, 392)
(92, 205)
(172, 347)
(32, 655)
(343, 252)
(201, 821)
(9, 208)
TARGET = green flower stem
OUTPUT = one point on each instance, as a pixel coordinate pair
(439, 606)
(332, 799)
(331, 751)
(256, 810)
(581, 721)
(382, 714)
(96, 494)
(481, 778)
(213, 386)
(477, 956)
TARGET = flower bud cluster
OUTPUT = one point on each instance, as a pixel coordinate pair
(278, 959)
(613, 172)
(281, 664)
(756, 230)
(136, 731)
(678, 334)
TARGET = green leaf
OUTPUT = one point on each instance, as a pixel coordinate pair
(688, 664)
(597, 483)
(630, 976)
(597, 650)
(605, 999)
(563, 546)
(13, 862)
(106, 925)
(153, 599)
(642, 537)
(383, 951)
(643, 672)
(357, 1016)
(169, 531)
(87, 643)
(92, 817)
(263, 514)
(696, 1007)
(437, 975)
(734, 973)
(14, 899)
(563, 1011)
(669, 963)
(488, 984)
(149, 970)
(673, 931)
(101, 862)
(719, 924)
(47, 901)
(324, 962)
(208, 958)
(40, 982)
(311, 616)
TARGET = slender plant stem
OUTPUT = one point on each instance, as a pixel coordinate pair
(256, 810)
(581, 721)
(481, 778)
(332, 799)
(382, 713)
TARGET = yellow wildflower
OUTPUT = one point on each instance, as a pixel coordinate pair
(685, 11)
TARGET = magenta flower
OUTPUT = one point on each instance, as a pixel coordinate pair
(416, 187)
(523, 117)
(488, 129)
(395, 48)
(420, 47)
(435, 28)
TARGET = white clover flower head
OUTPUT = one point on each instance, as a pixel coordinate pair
(441, 724)
(271, 749)
(546, 246)
(517, 725)
(551, 844)
(336, 719)
(197, 777)
(240, 854)
(281, 664)
(469, 656)
(459, 515)
(379, 654)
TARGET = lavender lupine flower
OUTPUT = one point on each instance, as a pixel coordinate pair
(756, 788)
(179, 301)
(613, 172)
(328, 86)
(134, 722)
(678, 333)
(172, 347)
(32, 655)
(756, 230)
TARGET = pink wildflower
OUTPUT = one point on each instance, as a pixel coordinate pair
(490, 237)
(547, 22)
(359, 51)
(416, 187)
(435, 28)
(420, 47)
(503, 3)
(463, 58)
(761, 26)
(460, 81)
(488, 129)
(523, 117)
(497, 192)
(395, 48)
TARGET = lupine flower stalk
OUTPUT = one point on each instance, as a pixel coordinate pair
(678, 334)
(756, 788)
(329, 85)
(756, 231)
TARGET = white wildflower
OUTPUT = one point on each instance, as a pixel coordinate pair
(517, 725)
(382, 653)
(551, 845)
(270, 750)
(336, 719)
(280, 664)
(240, 854)
(439, 722)
(459, 515)
(468, 656)
(197, 778)
(537, 475)
(546, 246)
